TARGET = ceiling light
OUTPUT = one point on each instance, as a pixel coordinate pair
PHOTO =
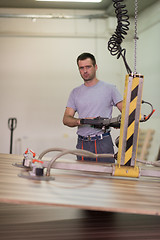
(84, 1)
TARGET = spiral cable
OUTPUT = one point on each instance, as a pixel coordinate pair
(114, 43)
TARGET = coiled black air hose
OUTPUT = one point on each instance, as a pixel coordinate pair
(114, 44)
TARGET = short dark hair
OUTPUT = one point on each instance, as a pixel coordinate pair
(86, 55)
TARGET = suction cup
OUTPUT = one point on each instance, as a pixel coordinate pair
(33, 177)
(20, 165)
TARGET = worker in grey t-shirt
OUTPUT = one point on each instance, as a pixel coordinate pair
(92, 99)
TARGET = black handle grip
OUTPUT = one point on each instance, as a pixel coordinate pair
(12, 123)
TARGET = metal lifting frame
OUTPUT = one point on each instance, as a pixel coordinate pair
(128, 143)
(131, 114)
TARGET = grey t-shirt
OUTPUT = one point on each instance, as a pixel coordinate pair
(94, 101)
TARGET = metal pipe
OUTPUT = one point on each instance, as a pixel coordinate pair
(51, 16)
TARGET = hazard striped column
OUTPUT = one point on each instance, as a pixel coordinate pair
(128, 140)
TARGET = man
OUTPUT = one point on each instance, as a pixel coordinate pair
(92, 99)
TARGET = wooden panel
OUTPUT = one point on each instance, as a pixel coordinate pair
(43, 222)
(79, 190)
(144, 143)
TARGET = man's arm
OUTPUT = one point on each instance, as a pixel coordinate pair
(69, 119)
(119, 106)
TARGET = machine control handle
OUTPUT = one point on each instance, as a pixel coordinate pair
(12, 124)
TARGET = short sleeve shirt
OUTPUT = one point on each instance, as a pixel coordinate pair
(94, 101)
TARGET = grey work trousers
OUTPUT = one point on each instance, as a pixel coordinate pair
(104, 145)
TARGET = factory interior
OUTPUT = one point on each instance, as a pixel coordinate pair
(39, 45)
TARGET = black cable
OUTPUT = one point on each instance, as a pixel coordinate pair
(150, 114)
(114, 43)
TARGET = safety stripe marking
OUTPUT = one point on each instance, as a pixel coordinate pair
(131, 123)
(130, 130)
(133, 105)
(129, 142)
(128, 163)
(128, 154)
(131, 117)
(134, 93)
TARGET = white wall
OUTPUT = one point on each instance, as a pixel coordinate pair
(38, 70)
(148, 64)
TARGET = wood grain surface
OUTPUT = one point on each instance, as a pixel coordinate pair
(79, 190)
(31, 222)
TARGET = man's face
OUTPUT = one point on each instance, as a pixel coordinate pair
(86, 69)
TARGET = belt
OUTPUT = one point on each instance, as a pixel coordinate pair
(94, 137)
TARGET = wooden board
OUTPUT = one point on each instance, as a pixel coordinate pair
(47, 222)
(79, 190)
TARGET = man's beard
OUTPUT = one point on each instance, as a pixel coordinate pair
(89, 78)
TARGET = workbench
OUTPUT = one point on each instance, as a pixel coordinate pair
(76, 201)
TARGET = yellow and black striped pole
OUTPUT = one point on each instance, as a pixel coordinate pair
(130, 118)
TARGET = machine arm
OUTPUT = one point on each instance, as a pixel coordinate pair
(102, 123)
(105, 123)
